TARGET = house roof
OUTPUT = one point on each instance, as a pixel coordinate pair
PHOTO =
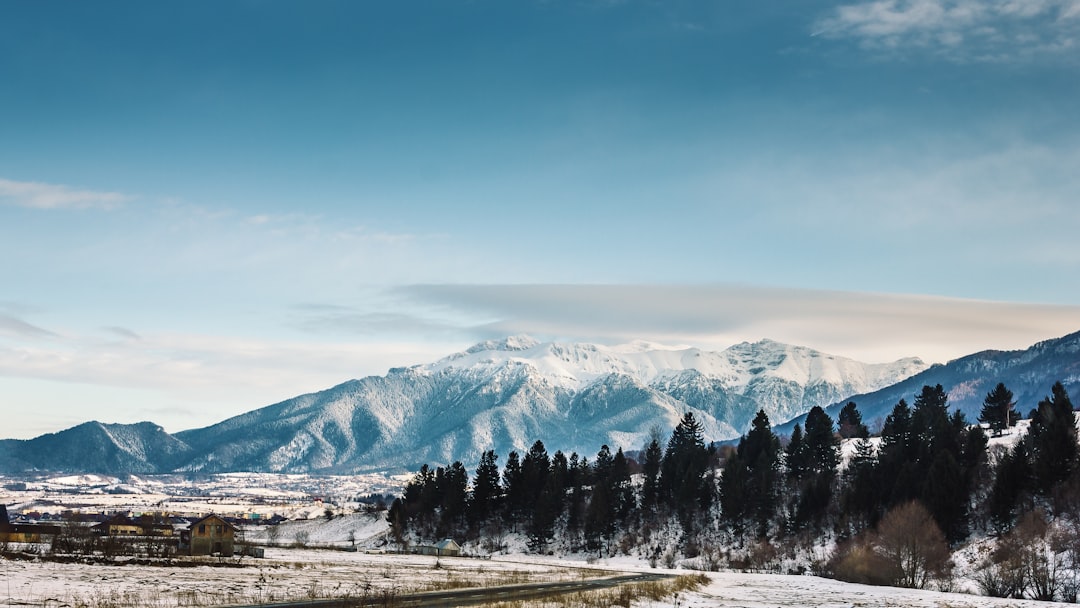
(447, 543)
(212, 518)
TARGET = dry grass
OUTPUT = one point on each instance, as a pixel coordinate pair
(623, 595)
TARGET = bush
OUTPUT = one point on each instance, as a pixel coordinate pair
(856, 561)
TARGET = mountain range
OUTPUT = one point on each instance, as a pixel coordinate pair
(1028, 373)
(505, 394)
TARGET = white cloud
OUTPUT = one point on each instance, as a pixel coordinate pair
(870, 327)
(965, 30)
(37, 195)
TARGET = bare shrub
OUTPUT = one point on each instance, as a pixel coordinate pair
(910, 539)
(856, 561)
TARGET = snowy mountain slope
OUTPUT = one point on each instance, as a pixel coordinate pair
(1028, 373)
(102, 448)
(505, 394)
(500, 395)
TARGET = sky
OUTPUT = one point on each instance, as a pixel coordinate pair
(209, 207)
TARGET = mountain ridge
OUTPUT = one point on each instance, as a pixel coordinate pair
(499, 394)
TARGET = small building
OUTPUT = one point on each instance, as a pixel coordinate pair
(24, 533)
(448, 547)
(210, 535)
(443, 548)
(121, 525)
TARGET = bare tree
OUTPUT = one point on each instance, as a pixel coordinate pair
(909, 538)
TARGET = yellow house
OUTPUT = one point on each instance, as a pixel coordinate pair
(208, 536)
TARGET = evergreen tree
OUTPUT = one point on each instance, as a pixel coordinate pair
(575, 508)
(453, 492)
(760, 450)
(796, 455)
(861, 501)
(734, 487)
(946, 496)
(822, 445)
(514, 487)
(534, 471)
(1012, 485)
(1053, 440)
(683, 471)
(998, 409)
(600, 513)
(486, 489)
(546, 511)
(622, 489)
(651, 470)
(821, 456)
(851, 422)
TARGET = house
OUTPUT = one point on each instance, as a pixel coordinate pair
(209, 536)
(121, 525)
(443, 548)
(23, 533)
(448, 547)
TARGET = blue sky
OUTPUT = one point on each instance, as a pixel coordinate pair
(208, 207)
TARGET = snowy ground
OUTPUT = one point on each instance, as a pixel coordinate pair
(283, 574)
(306, 573)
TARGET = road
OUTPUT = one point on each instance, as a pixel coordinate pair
(471, 596)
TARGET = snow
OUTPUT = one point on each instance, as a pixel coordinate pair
(576, 365)
(306, 574)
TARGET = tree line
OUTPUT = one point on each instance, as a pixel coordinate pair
(765, 491)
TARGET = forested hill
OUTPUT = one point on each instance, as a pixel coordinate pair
(1028, 374)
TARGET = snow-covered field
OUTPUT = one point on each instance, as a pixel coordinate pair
(304, 574)
(283, 575)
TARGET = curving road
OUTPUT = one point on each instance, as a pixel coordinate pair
(470, 596)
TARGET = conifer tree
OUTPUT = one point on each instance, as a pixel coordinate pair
(760, 450)
(734, 489)
(796, 456)
(1053, 440)
(514, 487)
(651, 470)
(454, 494)
(1012, 485)
(683, 469)
(486, 489)
(998, 409)
(851, 422)
(820, 460)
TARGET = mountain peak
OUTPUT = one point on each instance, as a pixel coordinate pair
(508, 344)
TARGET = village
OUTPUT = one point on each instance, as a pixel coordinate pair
(222, 516)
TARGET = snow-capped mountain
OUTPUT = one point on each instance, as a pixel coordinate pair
(505, 395)
(1028, 373)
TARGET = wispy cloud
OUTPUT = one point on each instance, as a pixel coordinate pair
(16, 327)
(38, 195)
(871, 327)
(965, 30)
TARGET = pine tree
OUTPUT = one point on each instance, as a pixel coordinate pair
(862, 498)
(514, 487)
(851, 422)
(821, 458)
(1053, 440)
(760, 450)
(998, 409)
(454, 495)
(734, 502)
(534, 471)
(651, 470)
(486, 489)
(796, 456)
(622, 489)
(946, 497)
(683, 469)
(1012, 484)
